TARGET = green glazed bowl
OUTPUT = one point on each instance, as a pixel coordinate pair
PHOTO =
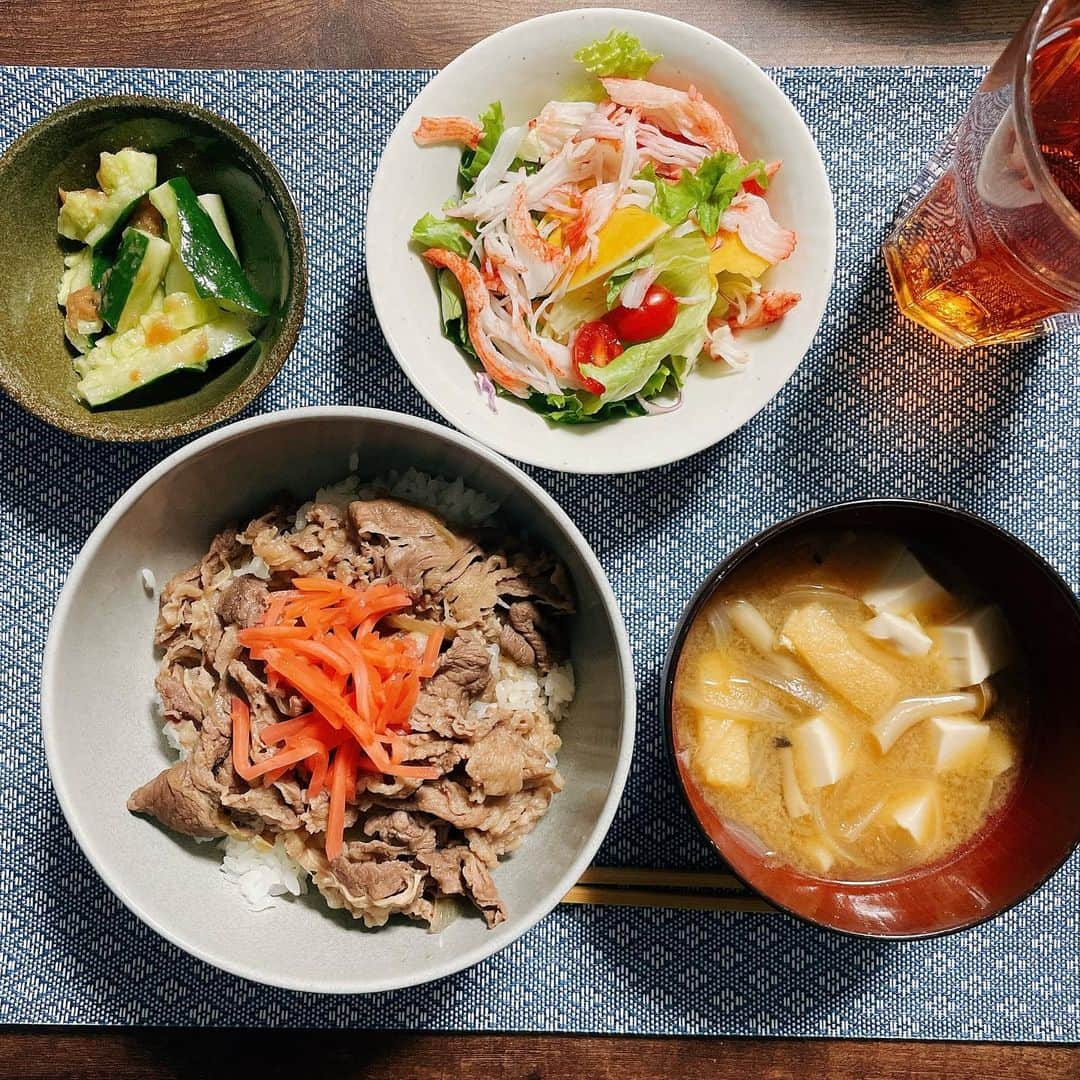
(61, 151)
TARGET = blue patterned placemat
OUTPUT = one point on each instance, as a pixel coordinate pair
(878, 408)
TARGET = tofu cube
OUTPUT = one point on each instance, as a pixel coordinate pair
(905, 588)
(820, 751)
(1000, 753)
(722, 757)
(903, 635)
(974, 646)
(824, 645)
(958, 743)
(794, 802)
(819, 855)
(917, 814)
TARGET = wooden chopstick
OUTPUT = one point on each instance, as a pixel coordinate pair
(675, 879)
(602, 895)
(624, 886)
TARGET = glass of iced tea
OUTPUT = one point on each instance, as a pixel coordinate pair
(986, 247)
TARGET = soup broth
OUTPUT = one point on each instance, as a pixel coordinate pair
(858, 714)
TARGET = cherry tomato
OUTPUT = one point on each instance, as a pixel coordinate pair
(597, 344)
(653, 318)
(753, 185)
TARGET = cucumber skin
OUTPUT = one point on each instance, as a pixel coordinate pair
(214, 269)
(138, 270)
(122, 277)
(96, 387)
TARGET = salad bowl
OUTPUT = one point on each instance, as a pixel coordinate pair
(523, 68)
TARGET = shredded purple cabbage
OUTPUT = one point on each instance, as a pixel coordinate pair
(486, 389)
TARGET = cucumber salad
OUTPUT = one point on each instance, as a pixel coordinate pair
(156, 286)
(599, 250)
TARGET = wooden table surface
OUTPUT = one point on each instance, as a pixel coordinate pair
(411, 33)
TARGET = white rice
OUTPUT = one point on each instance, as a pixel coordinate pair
(149, 581)
(520, 689)
(450, 499)
(261, 872)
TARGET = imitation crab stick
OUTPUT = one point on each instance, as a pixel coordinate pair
(319, 637)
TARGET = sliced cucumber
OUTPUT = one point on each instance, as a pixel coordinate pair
(185, 310)
(91, 215)
(214, 206)
(139, 267)
(100, 263)
(177, 278)
(130, 170)
(121, 363)
(214, 269)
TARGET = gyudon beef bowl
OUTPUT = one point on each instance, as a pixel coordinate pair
(362, 675)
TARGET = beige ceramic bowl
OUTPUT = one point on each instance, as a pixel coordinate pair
(102, 740)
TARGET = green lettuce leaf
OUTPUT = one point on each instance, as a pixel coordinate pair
(631, 371)
(619, 278)
(706, 192)
(431, 231)
(574, 407)
(620, 54)
(455, 323)
(580, 306)
(730, 289)
(683, 262)
(472, 161)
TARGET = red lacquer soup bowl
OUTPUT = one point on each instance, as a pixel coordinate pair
(1022, 844)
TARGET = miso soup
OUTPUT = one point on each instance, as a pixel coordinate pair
(856, 712)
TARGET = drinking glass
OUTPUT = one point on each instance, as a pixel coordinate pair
(986, 246)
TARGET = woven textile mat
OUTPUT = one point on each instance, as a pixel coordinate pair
(877, 408)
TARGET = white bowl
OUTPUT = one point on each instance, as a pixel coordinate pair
(102, 742)
(524, 66)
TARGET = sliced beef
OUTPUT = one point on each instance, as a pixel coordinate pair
(430, 560)
(174, 604)
(262, 711)
(538, 577)
(186, 693)
(225, 548)
(503, 762)
(449, 800)
(458, 872)
(399, 827)
(527, 620)
(293, 794)
(423, 748)
(512, 644)
(264, 807)
(322, 547)
(181, 803)
(463, 677)
(367, 879)
(509, 820)
(314, 818)
(243, 602)
(413, 543)
(215, 733)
